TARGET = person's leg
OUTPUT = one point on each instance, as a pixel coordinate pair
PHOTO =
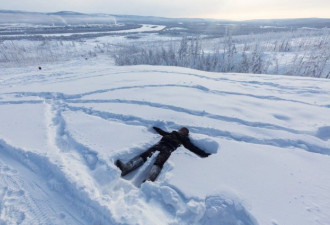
(158, 165)
(136, 162)
(145, 155)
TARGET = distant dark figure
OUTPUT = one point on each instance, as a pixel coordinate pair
(39, 68)
(168, 144)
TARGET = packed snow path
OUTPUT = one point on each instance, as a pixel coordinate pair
(62, 128)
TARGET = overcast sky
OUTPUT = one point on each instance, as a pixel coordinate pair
(219, 9)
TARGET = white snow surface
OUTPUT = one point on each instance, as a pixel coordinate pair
(143, 28)
(62, 128)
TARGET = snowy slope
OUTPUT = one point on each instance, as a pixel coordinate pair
(62, 128)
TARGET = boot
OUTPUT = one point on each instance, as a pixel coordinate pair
(129, 166)
(154, 172)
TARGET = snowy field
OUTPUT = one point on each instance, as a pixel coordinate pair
(297, 47)
(62, 128)
(143, 28)
(299, 53)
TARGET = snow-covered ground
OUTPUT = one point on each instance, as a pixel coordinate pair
(143, 28)
(62, 128)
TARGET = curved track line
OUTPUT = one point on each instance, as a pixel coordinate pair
(195, 113)
(59, 95)
(134, 120)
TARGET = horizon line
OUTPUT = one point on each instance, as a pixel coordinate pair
(202, 18)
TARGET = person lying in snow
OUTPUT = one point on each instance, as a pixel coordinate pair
(168, 144)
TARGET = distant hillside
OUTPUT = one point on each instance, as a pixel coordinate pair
(70, 17)
(57, 18)
(67, 13)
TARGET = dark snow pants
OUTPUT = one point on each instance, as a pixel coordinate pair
(164, 153)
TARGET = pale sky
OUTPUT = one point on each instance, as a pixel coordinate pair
(218, 9)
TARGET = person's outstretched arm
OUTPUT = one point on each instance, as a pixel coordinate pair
(160, 131)
(193, 148)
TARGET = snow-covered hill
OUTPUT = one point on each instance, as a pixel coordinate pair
(62, 128)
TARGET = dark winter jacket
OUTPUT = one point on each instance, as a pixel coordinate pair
(174, 139)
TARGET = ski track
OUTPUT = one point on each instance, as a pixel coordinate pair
(63, 77)
(19, 206)
(310, 89)
(194, 113)
(20, 102)
(134, 120)
(197, 87)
